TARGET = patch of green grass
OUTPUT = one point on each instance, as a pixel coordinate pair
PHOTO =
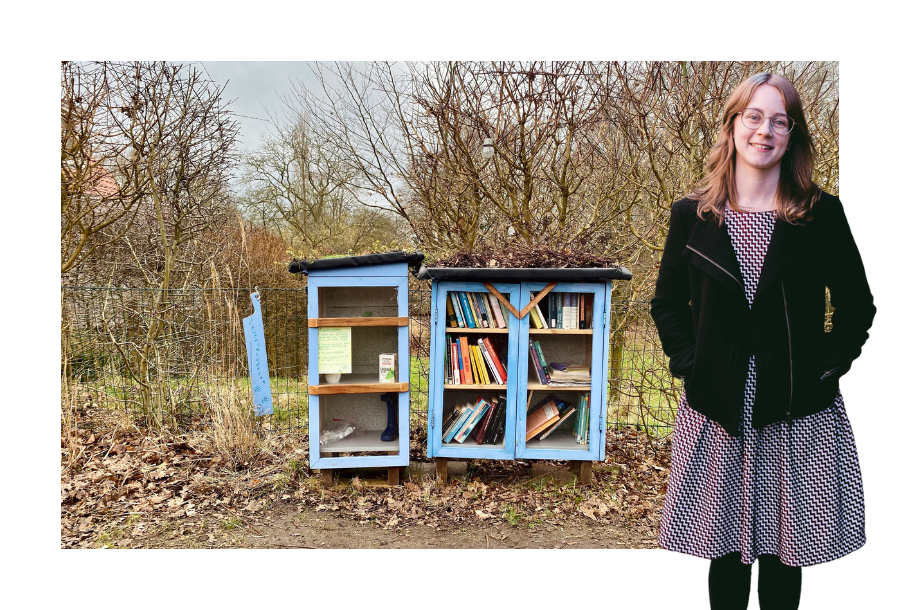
(511, 514)
(232, 523)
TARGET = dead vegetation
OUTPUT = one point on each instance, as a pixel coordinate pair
(130, 487)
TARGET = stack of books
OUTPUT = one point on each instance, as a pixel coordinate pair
(566, 373)
(475, 310)
(547, 416)
(557, 373)
(470, 360)
(484, 421)
(565, 310)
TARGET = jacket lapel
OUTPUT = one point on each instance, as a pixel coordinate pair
(709, 248)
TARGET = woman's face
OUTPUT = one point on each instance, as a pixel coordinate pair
(761, 148)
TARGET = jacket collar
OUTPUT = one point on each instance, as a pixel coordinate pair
(709, 247)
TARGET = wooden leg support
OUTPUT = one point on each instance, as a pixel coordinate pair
(393, 475)
(327, 476)
(440, 469)
(582, 470)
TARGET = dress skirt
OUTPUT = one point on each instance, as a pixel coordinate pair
(791, 490)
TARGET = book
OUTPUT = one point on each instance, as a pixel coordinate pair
(551, 308)
(498, 363)
(448, 374)
(589, 310)
(451, 314)
(466, 310)
(546, 411)
(498, 308)
(568, 374)
(466, 363)
(540, 353)
(479, 365)
(499, 429)
(460, 419)
(476, 315)
(474, 417)
(489, 362)
(454, 358)
(457, 311)
(486, 310)
(481, 429)
(536, 362)
(581, 310)
(563, 416)
(450, 418)
(533, 315)
(540, 313)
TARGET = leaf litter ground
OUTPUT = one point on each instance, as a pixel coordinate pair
(135, 489)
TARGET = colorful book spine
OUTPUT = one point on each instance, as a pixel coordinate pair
(581, 298)
(454, 300)
(489, 362)
(499, 430)
(481, 429)
(540, 353)
(469, 425)
(466, 363)
(451, 314)
(485, 310)
(466, 310)
(498, 363)
(537, 363)
(498, 308)
(464, 414)
(551, 309)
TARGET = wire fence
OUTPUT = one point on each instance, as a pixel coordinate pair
(165, 356)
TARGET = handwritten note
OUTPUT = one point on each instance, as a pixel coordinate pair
(334, 350)
(256, 359)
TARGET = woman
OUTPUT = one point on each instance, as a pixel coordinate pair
(764, 463)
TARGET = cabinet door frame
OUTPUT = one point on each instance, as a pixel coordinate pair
(596, 448)
(343, 278)
(435, 448)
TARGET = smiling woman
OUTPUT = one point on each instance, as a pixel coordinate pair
(764, 463)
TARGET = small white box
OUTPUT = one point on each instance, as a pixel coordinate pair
(387, 368)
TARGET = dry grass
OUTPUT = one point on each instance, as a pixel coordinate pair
(232, 431)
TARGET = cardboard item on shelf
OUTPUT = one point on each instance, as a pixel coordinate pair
(387, 368)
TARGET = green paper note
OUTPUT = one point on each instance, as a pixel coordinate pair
(334, 350)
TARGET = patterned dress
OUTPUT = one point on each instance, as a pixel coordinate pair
(794, 491)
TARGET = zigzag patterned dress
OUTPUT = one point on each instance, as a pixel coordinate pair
(794, 491)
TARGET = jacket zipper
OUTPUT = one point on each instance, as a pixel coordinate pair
(790, 354)
(691, 248)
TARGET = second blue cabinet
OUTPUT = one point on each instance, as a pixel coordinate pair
(566, 334)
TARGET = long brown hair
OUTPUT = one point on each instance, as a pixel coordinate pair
(796, 190)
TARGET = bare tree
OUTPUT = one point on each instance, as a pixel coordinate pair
(298, 186)
(180, 140)
(99, 189)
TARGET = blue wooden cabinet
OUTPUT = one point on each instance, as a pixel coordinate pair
(373, 302)
(582, 346)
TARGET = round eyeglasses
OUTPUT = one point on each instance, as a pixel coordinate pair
(753, 118)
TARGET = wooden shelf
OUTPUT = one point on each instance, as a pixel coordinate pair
(537, 385)
(357, 384)
(345, 322)
(504, 331)
(362, 440)
(560, 331)
(475, 386)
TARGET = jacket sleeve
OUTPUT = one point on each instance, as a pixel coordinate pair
(851, 298)
(670, 306)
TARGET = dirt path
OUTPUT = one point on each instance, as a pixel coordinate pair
(286, 527)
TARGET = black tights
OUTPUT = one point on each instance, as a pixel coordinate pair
(729, 584)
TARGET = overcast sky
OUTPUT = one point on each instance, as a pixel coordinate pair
(255, 86)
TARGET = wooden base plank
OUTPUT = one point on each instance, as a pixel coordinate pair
(393, 475)
(582, 470)
(441, 469)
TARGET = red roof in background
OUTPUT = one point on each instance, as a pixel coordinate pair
(102, 183)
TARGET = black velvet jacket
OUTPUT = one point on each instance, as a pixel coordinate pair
(709, 331)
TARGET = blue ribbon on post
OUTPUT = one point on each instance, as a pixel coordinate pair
(256, 359)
